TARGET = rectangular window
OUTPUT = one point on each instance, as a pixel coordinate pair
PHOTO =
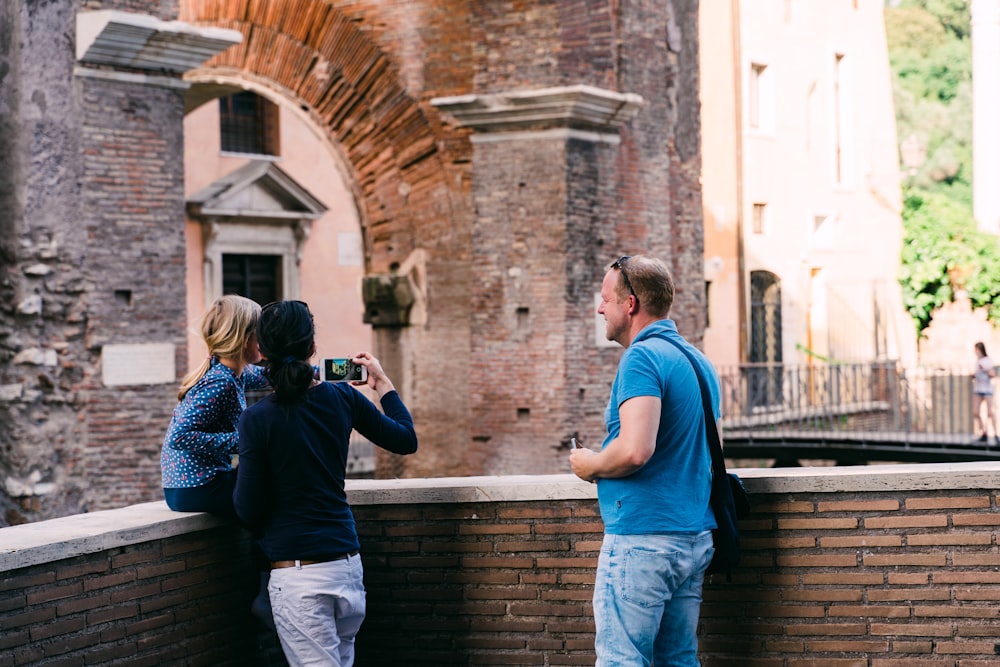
(841, 120)
(838, 138)
(708, 304)
(754, 94)
(257, 277)
(759, 102)
(759, 218)
(248, 123)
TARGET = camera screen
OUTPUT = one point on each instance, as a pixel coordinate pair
(335, 370)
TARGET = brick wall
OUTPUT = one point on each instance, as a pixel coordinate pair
(880, 578)
(133, 211)
(880, 566)
(176, 592)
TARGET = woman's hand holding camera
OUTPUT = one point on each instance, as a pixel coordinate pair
(377, 380)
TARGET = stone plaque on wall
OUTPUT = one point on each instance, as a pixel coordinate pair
(131, 364)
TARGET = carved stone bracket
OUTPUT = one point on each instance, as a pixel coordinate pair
(399, 298)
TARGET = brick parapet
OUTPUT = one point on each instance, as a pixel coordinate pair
(843, 566)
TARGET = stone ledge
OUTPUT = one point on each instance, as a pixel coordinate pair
(66, 537)
(899, 477)
(514, 488)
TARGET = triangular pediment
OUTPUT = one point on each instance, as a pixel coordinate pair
(259, 190)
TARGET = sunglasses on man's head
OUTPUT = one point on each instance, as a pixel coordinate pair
(619, 264)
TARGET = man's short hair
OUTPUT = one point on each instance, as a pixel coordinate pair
(651, 282)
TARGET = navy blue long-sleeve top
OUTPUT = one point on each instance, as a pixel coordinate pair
(293, 461)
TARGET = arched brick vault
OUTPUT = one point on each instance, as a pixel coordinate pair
(347, 84)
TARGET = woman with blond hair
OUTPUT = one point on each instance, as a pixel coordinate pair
(196, 460)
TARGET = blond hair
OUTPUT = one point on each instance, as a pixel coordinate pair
(225, 327)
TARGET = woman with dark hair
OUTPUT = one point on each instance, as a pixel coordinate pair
(290, 485)
(982, 390)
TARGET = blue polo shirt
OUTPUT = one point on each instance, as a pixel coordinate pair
(670, 493)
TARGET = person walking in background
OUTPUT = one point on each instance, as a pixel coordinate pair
(653, 477)
(290, 485)
(982, 389)
(196, 461)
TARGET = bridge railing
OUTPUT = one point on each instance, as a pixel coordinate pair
(772, 400)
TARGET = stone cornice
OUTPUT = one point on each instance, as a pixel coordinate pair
(577, 107)
(138, 41)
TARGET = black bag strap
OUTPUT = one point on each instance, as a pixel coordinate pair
(714, 442)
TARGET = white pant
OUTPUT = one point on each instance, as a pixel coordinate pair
(318, 610)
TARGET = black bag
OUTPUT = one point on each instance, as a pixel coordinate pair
(730, 500)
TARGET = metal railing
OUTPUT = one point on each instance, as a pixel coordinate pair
(920, 404)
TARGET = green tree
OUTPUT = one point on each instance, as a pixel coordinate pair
(930, 53)
(943, 252)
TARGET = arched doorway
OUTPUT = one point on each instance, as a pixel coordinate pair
(764, 374)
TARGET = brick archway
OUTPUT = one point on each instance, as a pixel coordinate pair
(409, 171)
(317, 56)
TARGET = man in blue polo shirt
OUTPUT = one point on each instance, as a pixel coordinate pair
(653, 477)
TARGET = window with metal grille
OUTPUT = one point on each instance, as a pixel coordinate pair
(764, 373)
(257, 277)
(248, 123)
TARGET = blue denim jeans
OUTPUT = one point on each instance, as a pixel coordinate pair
(647, 599)
(318, 610)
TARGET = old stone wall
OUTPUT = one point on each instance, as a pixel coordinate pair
(93, 201)
(42, 319)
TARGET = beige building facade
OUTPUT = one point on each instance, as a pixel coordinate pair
(801, 184)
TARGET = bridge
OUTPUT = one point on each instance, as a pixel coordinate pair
(849, 413)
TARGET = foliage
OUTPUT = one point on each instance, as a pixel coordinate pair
(943, 251)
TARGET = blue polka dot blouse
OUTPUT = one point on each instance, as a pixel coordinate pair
(201, 439)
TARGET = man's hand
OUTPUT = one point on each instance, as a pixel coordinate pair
(582, 461)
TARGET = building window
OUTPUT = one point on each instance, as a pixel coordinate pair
(760, 93)
(838, 61)
(257, 277)
(764, 374)
(708, 304)
(248, 123)
(841, 121)
(759, 218)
